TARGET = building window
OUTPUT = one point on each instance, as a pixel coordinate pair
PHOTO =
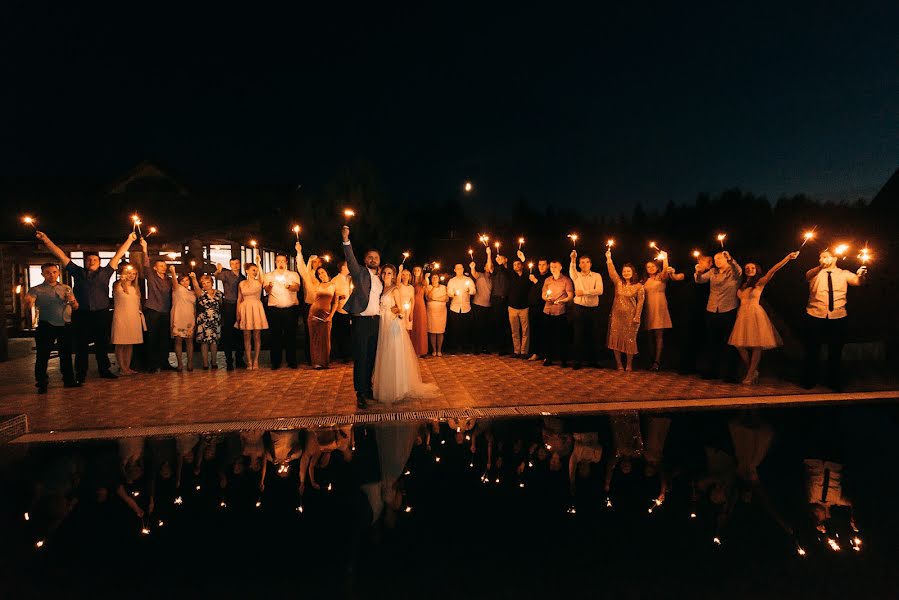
(220, 253)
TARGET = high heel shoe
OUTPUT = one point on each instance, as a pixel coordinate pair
(655, 366)
(752, 378)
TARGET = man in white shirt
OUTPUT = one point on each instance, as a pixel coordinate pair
(826, 317)
(585, 316)
(282, 286)
(459, 290)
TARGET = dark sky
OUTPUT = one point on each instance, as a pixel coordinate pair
(595, 108)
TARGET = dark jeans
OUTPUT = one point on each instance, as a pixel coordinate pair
(365, 346)
(158, 337)
(829, 332)
(480, 321)
(44, 338)
(282, 329)
(232, 338)
(720, 357)
(307, 342)
(556, 329)
(537, 320)
(585, 322)
(91, 326)
(341, 348)
(459, 326)
(500, 330)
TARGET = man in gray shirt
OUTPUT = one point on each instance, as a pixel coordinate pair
(480, 308)
(157, 312)
(54, 302)
(232, 343)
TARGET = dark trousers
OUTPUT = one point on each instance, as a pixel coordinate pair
(44, 338)
(282, 329)
(585, 322)
(537, 319)
(158, 336)
(364, 332)
(459, 325)
(556, 329)
(828, 332)
(480, 321)
(720, 357)
(232, 338)
(307, 342)
(91, 326)
(341, 348)
(501, 333)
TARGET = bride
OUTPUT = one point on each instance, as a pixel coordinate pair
(396, 375)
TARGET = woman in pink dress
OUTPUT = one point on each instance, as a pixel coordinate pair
(251, 313)
(753, 332)
(656, 318)
(419, 313)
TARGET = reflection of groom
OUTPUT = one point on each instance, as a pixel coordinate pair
(364, 305)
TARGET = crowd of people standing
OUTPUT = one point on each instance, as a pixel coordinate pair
(515, 310)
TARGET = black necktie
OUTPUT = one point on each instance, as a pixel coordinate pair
(829, 292)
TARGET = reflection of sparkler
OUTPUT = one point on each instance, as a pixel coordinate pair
(655, 504)
(408, 509)
(179, 501)
(27, 517)
(608, 502)
(299, 509)
(800, 550)
(39, 544)
(437, 459)
(716, 540)
(833, 544)
(571, 510)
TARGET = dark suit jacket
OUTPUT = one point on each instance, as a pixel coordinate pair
(361, 276)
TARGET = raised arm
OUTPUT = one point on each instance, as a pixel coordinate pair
(613, 274)
(641, 297)
(488, 267)
(303, 268)
(55, 250)
(117, 257)
(351, 263)
(858, 277)
(195, 285)
(474, 270)
(572, 266)
(734, 265)
(767, 276)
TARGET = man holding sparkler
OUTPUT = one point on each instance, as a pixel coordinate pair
(826, 317)
(92, 320)
(55, 302)
(281, 286)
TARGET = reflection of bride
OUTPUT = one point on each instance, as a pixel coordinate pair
(396, 375)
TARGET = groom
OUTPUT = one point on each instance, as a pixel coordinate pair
(364, 305)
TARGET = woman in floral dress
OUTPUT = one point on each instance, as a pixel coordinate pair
(209, 318)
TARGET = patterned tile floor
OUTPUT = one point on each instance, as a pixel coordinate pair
(491, 384)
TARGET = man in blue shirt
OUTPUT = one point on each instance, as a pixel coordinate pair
(91, 321)
(54, 302)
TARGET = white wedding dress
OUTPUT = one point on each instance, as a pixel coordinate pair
(396, 375)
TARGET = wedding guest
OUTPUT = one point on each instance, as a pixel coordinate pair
(232, 344)
(157, 311)
(753, 332)
(828, 286)
(209, 318)
(480, 303)
(312, 266)
(499, 305)
(281, 287)
(519, 314)
(585, 310)
(340, 325)
(557, 292)
(91, 320)
(624, 321)
(536, 318)
(657, 318)
(127, 319)
(437, 299)
(321, 313)
(407, 297)
(54, 302)
(460, 289)
(184, 318)
(419, 312)
(251, 318)
(587, 452)
(721, 312)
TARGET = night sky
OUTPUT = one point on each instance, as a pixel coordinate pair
(595, 109)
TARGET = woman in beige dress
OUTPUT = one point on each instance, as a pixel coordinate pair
(127, 319)
(624, 322)
(184, 318)
(437, 299)
(656, 318)
(251, 313)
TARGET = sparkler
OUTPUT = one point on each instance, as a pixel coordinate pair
(865, 255)
(30, 221)
(573, 238)
(696, 254)
(484, 239)
(135, 221)
(610, 242)
(436, 266)
(152, 231)
(471, 253)
(520, 242)
(347, 215)
(496, 245)
(405, 256)
(296, 231)
(468, 186)
(530, 268)
(721, 238)
(808, 235)
(841, 250)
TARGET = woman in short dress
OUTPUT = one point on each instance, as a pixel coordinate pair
(624, 322)
(321, 312)
(656, 318)
(209, 318)
(419, 312)
(753, 332)
(127, 319)
(184, 318)
(251, 314)
(437, 299)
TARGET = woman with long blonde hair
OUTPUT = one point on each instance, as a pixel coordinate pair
(127, 319)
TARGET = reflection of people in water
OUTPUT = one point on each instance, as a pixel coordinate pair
(586, 453)
(828, 504)
(284, 450)
(628, 444)
(319, 445)
(394, 441)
